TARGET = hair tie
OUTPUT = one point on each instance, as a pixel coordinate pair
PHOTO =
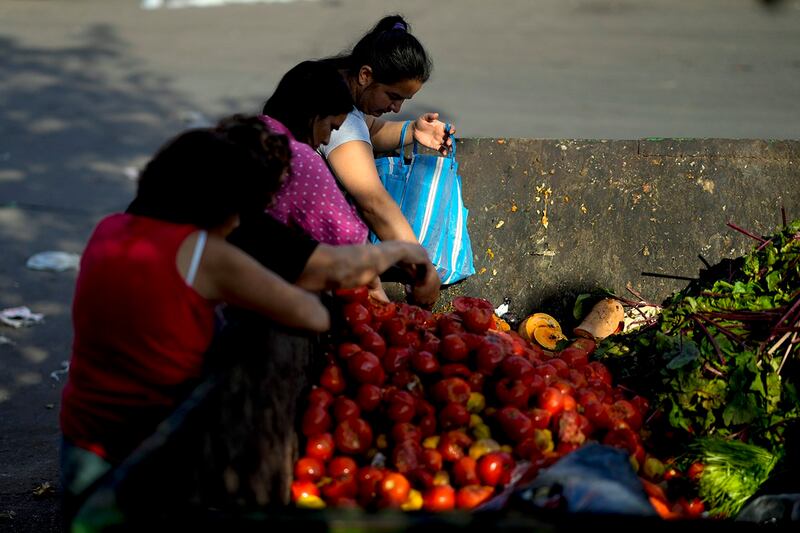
(399, 26)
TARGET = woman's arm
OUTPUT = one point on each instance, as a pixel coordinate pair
(428, 130)
(332, 267)
(226, 273)
(354, 164)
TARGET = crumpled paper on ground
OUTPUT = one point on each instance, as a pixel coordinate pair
(17, 317)
(54, 261)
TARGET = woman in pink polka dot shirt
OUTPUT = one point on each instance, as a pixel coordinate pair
(310, 101)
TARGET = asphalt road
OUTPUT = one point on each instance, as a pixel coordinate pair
(90, 88)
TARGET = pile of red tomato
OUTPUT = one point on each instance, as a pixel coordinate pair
(416, 410)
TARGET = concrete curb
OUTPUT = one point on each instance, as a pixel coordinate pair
(550, 219)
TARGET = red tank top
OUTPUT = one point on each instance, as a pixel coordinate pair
(140, 334)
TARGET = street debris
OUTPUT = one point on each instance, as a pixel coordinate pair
(55, 374)
(17, 317)
(54, 261)
(44, 489)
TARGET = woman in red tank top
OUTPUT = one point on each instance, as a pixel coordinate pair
(143, 310)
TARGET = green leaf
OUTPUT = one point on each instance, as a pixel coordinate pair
(582, 306)
(743, 410)
(683, 354)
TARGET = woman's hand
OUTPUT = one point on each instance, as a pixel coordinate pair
(429, 131)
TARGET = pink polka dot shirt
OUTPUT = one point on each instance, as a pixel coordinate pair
(310, 199)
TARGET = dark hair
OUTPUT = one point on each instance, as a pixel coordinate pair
(391, 51)
(205, 176)
(309, 90)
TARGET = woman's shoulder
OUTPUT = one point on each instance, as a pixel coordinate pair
(354, 128)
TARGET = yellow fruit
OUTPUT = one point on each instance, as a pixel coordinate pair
(414, 501)
(481, 431)
(476, 402)
(481, 447)
(441, 478)
(534, 321)
(381, 442)
(500, 324)
(543, 439)
(547, 337)
(431, 443)
(310, 501)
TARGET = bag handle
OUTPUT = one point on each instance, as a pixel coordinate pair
(447, 126)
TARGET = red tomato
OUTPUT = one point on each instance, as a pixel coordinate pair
(453, 416)
(464, 303)
(320, 396)
(478, 320)
(548, 372)
(394, 489)
(369, 397)
(432, 460)
(536, 384)
(342, 467)
(465, 472)
(365, 367)
(430, 343)
(316, 420)
(540, 418)
(402, 407)
(344, 408)
(452, 444)
(516, 367)
(449, 324)
(456, 370)
(353, 436)
(369, 479)
(624, 411)
(320, 446)
(471, 496)
(596, 370)
(355, 314)
(512, 392)
(394, 327)
(488, 357)
(427, 425)
(641, 404)
(308, 469)
(403, 431)
(693, 508)
(356, 294)
(424, 362)
(396, 359)
(454, 348)
(574, 358)
(695, 471)
(407, 456)
(597, 413)
(450, 390)
(382, 311)
(346, 349)
(373, 343)
(514, 423)
(494, 468)
(303, 489)
(439, 498)
(340, 492)
(561, 366)
(552, 400)
(333, 379)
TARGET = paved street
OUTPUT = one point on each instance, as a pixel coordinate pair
(90, 88)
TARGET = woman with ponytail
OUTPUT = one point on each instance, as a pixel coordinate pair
(385, 68)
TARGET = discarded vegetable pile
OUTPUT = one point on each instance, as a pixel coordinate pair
(421, 411)
(721, 361)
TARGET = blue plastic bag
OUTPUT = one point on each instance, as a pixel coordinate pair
(428, 190)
